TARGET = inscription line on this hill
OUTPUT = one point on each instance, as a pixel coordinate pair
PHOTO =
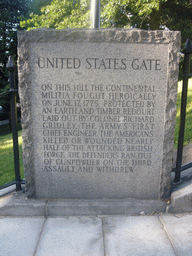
(98, 111)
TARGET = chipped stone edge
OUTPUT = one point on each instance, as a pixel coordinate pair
(26, 115)
(172, 38)
(170, 114)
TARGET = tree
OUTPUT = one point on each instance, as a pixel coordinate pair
(34, 6)
(61, 14)
(11, 12)
(162, 14)
(144, 14)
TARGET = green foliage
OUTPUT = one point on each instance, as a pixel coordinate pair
(113, 14)
(188, 122)
(34, 6)
(61, 14)
(144, 14)
(142, 7)
(11, 11)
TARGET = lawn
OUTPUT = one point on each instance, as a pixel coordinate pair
(188, 121)
(7, 173)
(6, 145)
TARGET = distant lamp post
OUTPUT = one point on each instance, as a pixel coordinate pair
(95, 13)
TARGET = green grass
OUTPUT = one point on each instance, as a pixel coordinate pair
(7, 173)
(6, 145)
(188, 121)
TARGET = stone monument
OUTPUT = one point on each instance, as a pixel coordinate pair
(98, 112)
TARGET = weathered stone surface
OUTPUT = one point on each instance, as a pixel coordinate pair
(98, 110)
(71, 236)
(179, 230)
(103, 207)
(143, 235)
(18, 205)
(19, 236)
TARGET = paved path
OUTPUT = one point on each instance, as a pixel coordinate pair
(163, 234)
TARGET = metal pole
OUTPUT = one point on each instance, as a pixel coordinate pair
(11, 68)
(95, 13)
(186, 72)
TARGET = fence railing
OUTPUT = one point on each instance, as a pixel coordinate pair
(14, 124)
(186, 75)
(178, 169)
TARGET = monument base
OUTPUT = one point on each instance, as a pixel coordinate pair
(17, 204)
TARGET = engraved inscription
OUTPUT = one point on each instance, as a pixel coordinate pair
(103, 128)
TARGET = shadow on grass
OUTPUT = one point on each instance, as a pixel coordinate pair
(6, 129)
(188, 120)
(7, 169)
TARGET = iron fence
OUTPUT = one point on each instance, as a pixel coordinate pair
(14, 124)
(186, 75)
(178, 169)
